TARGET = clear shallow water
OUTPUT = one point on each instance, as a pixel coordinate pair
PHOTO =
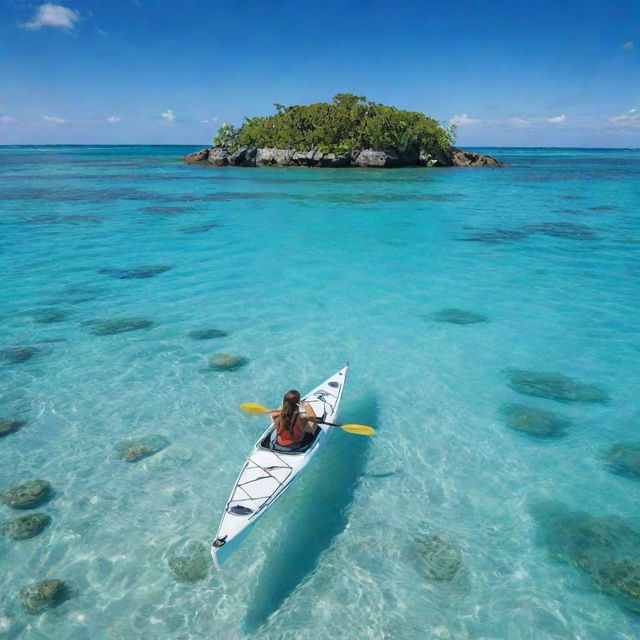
(306, 269)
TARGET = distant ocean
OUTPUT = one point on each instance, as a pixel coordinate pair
(491, 320)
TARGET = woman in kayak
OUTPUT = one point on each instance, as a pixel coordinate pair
(295, 423)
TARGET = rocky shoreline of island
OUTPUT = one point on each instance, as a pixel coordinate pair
(251, 156)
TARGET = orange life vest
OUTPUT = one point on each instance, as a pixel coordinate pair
(297, 433)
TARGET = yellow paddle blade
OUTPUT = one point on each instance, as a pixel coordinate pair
(252, 407)
(360, 429)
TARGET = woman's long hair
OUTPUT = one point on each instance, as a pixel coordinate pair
(289, 413)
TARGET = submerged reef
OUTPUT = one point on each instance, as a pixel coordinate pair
(191, 566)
(496, 236)
(459, 316)
(207, 334)
(624, 460)
(554, 386)
(533, 421)
(200, 228)
(49, 316)
(27, 495)
(136, 273)
(39, 596)
(606, 549)
(10, 425)
(25, 527)
(226, 362)
(569, 230)
(164, 211)
(16, 355)
(134, 450)
(438, 560)
(566, 230)
(119, 325)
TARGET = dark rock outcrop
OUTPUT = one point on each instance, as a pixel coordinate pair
(462, 158)
(242, 157)
(37, 597)
(27, 495)
(26, 526)
(217, 156)
(198, 156)
(246, 156)
(372, 158)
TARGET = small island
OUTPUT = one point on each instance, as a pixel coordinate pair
(347, 132)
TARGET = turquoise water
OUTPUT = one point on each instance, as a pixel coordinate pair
(306, 269)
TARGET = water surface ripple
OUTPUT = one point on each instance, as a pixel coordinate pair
(435, 284)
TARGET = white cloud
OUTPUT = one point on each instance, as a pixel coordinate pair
(53, 119)
(210, 121)
(558, 119)
(168, 115)
(7, 120)
(520, 123)
(113, 119)
(53, 15)
(628, 45)
(464, 121)
(629, 119)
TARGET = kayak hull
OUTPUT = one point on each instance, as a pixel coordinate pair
(267, 474)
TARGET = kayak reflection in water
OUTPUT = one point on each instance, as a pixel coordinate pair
(295, 423)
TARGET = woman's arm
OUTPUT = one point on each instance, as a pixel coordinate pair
(309, 413)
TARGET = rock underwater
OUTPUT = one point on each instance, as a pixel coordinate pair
(27, 495)
(606, 549)
(136, 273)
(459, 316)
(26, 527)
(438, 558)
(554, 386)
(624, 460)
(207, 334)
(134, 450)
(193, 565)
(37, 597)
(10, 425)
(534, 421)
(119, 325)
(226, 362)
(16, 355)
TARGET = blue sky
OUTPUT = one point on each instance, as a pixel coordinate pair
(545, 73)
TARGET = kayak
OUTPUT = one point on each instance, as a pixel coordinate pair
(267, 474)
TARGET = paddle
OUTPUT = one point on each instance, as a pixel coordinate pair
(358, 429)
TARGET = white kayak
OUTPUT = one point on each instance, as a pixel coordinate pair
(267, 474)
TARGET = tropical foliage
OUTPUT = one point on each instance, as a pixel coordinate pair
(348, 122)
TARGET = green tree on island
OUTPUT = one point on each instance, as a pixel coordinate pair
(348, 122)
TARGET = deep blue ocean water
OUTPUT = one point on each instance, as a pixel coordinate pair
(306, 269)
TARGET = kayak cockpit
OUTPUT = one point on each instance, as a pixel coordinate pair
(307, 443)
